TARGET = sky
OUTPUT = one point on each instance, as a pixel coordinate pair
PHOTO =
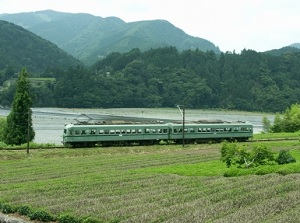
(232, 25)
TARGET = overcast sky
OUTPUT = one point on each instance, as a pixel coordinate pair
(230, 24)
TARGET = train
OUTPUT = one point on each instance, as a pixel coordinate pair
(126, 134)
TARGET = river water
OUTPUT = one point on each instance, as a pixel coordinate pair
(48, 123)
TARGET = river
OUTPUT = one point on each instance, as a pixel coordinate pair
(48, 123)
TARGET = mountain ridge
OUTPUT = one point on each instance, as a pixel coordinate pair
(88, 37)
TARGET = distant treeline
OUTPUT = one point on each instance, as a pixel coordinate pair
(164, 77)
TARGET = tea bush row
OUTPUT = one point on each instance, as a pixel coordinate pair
(42, 215)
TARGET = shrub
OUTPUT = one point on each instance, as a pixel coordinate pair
(285, 157)
(7, 208)
(41, 215)
(232, 154)
(66, 218)
(91, 220)
(24, 210)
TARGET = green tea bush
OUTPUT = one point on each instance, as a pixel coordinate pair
(7, 208)
(24, 210)
(41, 215)
(285, 157)
(66, 218)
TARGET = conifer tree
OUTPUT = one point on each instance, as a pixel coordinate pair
(19, 127)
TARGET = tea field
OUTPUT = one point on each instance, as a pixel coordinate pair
(150, 184)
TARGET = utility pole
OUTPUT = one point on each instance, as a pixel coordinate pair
(183, 120)
(28, 129)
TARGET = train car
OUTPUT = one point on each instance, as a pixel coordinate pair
(107, 135)
(149, 134)
(197, 133)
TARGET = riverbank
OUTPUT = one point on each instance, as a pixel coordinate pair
(49, 122)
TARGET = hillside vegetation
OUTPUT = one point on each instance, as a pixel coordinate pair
(164, 77)
(89, 37)
(21, 48)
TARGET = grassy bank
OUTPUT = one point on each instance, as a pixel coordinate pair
(149, 184)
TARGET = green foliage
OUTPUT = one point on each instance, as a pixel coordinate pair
(266, 124)
(25, 210)
(278, 123)
(91, 220)
(6, 208)
(19, 120)
(285, 157)
(41, 215)
(2, 127)
(233, 154)
(290, 122)
(67, 218)
(21, 48)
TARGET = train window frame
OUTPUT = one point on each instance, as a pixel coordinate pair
(139, 131)
(93, 131)
(147, 130)
(112, 132)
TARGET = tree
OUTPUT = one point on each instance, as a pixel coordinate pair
(233, 154)
(19, 127)
(2, 127)
(266, 124)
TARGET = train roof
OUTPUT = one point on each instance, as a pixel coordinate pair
(156, 124)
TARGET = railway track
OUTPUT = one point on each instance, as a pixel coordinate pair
(251, 141)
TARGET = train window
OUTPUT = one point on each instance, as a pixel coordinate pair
(101, 131)
(112, 131)
(147, 130)
(93, 131)
(179, 130)
(208, 129)
(153, 130)
(133, 131)
(175, 130)
(128, 131)
(165, 130)
(139, 131)
(159, 130)
(123, 131)
(77, 132)
(191, 130)
(118, 131)
(83, 132)
(106, 131)
(235, 129)
(185, 130)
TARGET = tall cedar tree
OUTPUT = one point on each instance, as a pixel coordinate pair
(18, 120)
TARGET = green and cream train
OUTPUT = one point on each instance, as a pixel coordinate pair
(89, 135)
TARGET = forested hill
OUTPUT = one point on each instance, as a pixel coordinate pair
(89, 37)
(21, 48)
